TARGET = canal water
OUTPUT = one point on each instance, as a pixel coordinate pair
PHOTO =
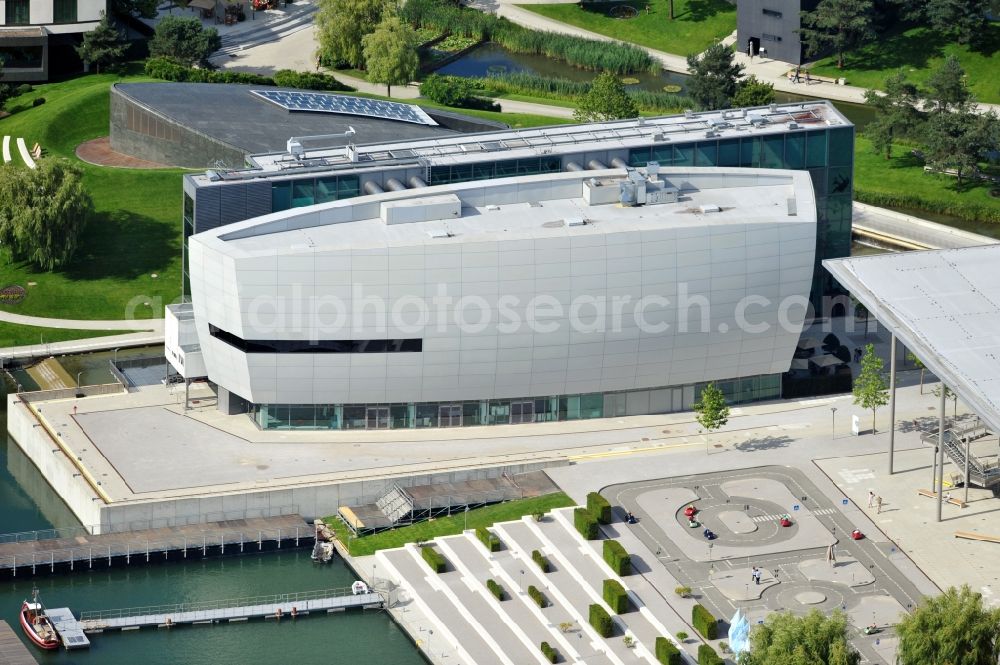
(28, 503)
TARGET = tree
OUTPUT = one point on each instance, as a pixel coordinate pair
(714, 77)
(961, 19)
(753, 92)
(43, 211)
(895, 112)
(948, 394)
(953, 628)
(960, 139)
(104, 45)
(139, 8)
(947, 88)
(870, 388)
(919, 364)
(183, 40)
(837, 24)
(712, 410)
(815, 639)
(341, 27)
(391, 53)
(606, 100)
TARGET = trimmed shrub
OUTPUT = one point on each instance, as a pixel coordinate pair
(616, 596)
(704, 622)
(585, 523)
(599, 507)
(683, 591)
(495, 589)
(38, 101)
(168, 70)
(601, 621)
(454, 91)
(538, 517)
(23, 89)
(550, 654)
(434, 559)
(616, 557)
(666, 652)
(682, 636)
(707, 656)
(537, 596)
(541, 560)
(309, 81)
(490, 540)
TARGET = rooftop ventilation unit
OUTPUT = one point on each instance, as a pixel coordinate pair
(575, 221)
(792, 125)
(439, 233)
(773, 108)
(295, 149)
(688, 113)
(709, 207)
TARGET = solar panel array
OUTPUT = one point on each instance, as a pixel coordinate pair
(319, 102)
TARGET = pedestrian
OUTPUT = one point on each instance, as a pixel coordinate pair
(750, 49)
(796, 73)
(878, 505)
(74, 409)
(808, 79)
(871, 499)
(755, 575)
(763, 53)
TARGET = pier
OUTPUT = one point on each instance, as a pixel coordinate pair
(285, 606)
(12, 649)
(69, 550)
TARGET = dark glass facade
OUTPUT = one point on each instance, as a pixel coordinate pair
(287, 194)
(504, 168)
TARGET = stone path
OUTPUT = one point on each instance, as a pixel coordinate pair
(99, 152)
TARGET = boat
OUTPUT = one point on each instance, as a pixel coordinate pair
(322, 552)
(36, 625)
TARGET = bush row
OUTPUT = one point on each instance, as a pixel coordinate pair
(586, 53)
(454, 91)
(615, 596)
(495, 589)
(599, 507)
(666, 652)
(601, 621)
(489, 539)
(550, 654)
(707, 656)
(521, 83)
(616, 557)
(963, 209)
(704, 622)
(585, 523)
(168, 70)
(537, 596)
(541, 560)
(434, 559)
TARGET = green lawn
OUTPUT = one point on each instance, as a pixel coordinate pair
(697, 24)
(902, 181)
(919, 51)
(15, 335)
(447, 526)
(134, 234)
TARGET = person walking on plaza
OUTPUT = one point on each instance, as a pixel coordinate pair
(871, 499)
(878, 505)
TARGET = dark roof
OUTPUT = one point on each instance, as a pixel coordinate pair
(229, 113)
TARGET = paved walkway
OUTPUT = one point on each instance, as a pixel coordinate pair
(99, 152)
(140, 333)
(82, 324)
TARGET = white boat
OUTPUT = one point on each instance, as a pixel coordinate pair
(322, 552)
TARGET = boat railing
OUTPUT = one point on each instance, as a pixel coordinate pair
(299, 597)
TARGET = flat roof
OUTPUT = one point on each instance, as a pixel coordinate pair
(524, 207)
(944, 305)
(540, 141)
(230, 113)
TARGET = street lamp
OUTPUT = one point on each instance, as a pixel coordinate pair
(833, 422)
(78, 378)
(466, 518)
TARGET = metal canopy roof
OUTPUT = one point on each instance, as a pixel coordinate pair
(944, 305)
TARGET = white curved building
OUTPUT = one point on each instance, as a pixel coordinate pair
(504, 301)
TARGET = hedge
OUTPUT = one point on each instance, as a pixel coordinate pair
(489, 539)
(537, 596)
(616, 557)
(550, 654)
(913, 200)
(309, 81)
(615, 596)
(585, 523)
(666, 652)
(168, 70)
(601, 621)
(434, 559)
(704, 622)
(707, 656)
(495, 589)
(541, 560)
(599, 507)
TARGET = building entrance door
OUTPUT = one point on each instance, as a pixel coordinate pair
(450, 415)
(378, 417)
(522, 412)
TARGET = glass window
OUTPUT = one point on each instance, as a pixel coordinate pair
(326, 189)
(592, 405)
(684, 155)
(281, 195)
(795, 151)
(841, 146)
(819, 181)
(439, 175)
(506, 168)
(550, 165)
(706, 153)
(816, 149)
(499, 413)
(839, 180)
(638, 156)
(302, 193)
(426, 415)
(348, 187)
(188, 208)
(664, 154)
(302, 416)
(474, 413)
(750, 152)
(527, 166)
(64, 11)
(773, 157)
(461, 173)
(23, 57)
(18, 12)
(355, 417)
(482, 171)
(327, 416)
(729, 152)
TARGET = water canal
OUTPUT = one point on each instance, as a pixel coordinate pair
(27, 503)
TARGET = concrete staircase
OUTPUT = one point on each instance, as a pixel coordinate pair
(956, 439)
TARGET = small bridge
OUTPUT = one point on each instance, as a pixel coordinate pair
(280, 606)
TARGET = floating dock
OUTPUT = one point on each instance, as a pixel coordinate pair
(12, 649)
(68, 627)
(70, 550)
